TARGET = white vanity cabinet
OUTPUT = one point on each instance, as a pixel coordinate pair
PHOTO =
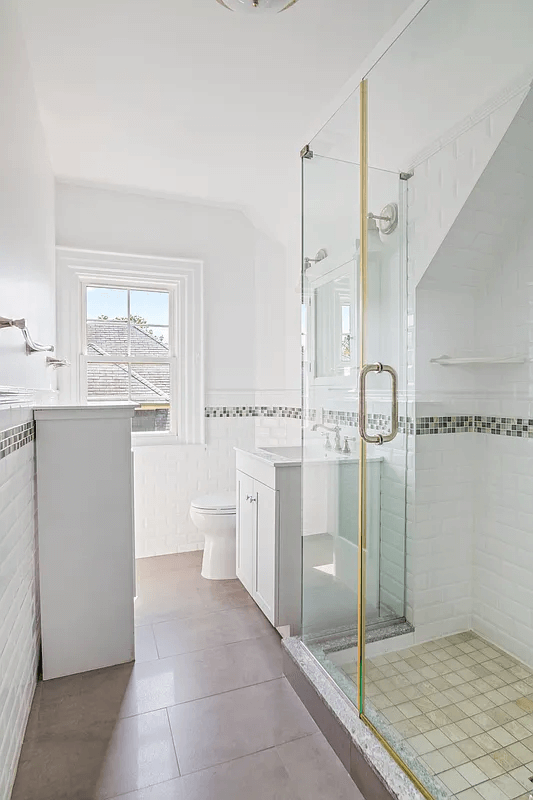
(269, 536)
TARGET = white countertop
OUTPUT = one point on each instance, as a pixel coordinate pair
(85, 411)
(275, 457)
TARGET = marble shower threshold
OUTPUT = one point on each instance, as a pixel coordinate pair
(370, 766)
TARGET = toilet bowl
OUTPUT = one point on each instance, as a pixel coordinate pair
(215, 515)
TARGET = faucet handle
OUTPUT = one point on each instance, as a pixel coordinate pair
(346, 449)
(327, 443)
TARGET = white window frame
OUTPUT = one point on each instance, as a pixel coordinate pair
(183, 279)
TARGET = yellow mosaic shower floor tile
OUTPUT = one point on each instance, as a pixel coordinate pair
(461, 712)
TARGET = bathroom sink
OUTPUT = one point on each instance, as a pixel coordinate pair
(292, 453)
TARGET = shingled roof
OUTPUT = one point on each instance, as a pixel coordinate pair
(150, 382)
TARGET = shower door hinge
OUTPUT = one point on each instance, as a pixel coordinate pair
(306, 152)
(404, 176)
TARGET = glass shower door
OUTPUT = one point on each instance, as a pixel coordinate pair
(352, 295)
(330, 466)
(386, 432)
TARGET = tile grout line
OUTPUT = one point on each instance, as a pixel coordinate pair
(221, 763)
(173, 745)
(204, 697)
(253, 753)
(215, 647)
(248, 604)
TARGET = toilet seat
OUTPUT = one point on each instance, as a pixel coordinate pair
(219, 504)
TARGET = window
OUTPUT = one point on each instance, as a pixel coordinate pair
(132, 328)
(333, 303)
(127, 347)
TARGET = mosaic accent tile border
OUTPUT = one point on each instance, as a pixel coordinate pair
(349, 419)
(517, 427)
(287, 412)
(432, 425)
(375, 422)
(14, 438)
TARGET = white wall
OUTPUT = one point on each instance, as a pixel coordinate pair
(124, 222)
(244, 312)
(26, 215)
(26, 290)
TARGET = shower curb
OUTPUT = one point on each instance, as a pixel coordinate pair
(370, 766)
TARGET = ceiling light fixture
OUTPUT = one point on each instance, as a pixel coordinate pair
(257, 6)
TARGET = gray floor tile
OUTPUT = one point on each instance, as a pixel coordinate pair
(316, 770)
(261, 776)
(145, 646)
(140, 753)
(82, 744)
(216, 729)
(66, 706)
(97, 761)
(162, 566)
(179, 679)
(156, 603)
(210, 630)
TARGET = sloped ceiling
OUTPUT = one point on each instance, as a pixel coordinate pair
(187, 98)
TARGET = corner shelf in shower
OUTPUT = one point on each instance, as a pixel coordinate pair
(447, 361)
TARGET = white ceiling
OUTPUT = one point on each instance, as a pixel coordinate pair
(187, 98)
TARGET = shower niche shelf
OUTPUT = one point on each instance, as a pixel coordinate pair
(448, 361)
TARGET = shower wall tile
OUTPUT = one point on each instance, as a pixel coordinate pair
(441, 545)
(503, 551)
(393, 505)
(466, 545)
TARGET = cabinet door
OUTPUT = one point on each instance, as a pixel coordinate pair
(245, 530)
(266, 522)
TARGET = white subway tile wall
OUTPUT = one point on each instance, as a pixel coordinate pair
(503, 547)
(393, 517)
(441, 551)
(167, 478)
(19, 609)
(466, 536)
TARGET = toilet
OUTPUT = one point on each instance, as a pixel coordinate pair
(214, 515)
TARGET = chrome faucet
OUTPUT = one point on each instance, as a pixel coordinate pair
(336, 430)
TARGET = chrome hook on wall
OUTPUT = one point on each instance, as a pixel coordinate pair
(31, 346)
(57, 362)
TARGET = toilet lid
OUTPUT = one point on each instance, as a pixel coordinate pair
(215, 502)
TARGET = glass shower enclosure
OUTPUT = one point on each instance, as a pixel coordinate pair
(417, 406)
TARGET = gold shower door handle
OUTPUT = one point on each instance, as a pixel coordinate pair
(377, 438)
